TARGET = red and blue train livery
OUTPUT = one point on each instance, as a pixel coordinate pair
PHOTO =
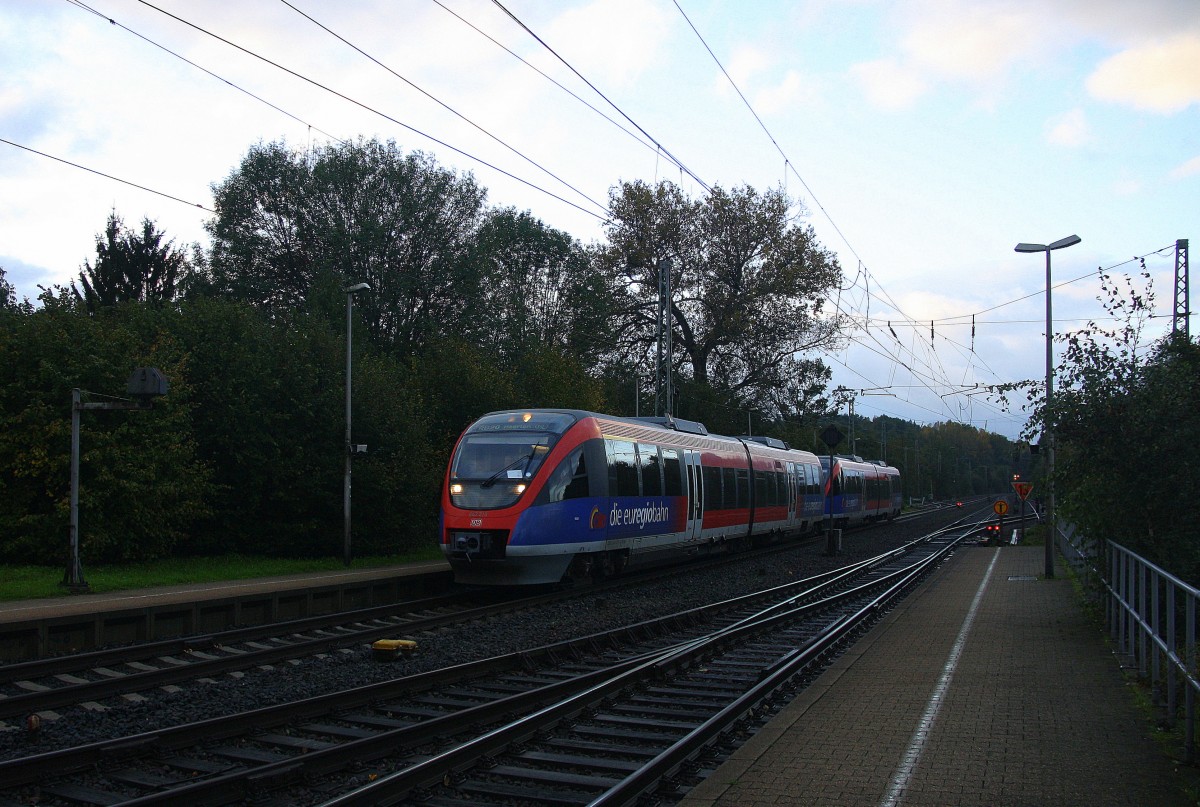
(545, 495)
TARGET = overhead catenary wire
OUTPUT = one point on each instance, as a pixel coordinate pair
(863, 272)
(366, 107)
(445, 106)
(854, 304)
(932, 361)
(108, 176)
(545, 75)
(607, 100)
(182, 58)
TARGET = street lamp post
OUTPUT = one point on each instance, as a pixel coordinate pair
(1047, 434)
(348, 448)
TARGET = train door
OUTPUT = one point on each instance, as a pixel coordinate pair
(793, 493)
(695, 494)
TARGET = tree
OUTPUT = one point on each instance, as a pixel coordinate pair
(293, 229)
(131, 266)
(8, 294)
(540, 290)
(1122, 409)
(143, 488)
(1123, 415)
(749, 287)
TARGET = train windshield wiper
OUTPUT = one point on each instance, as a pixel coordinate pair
(525, 458)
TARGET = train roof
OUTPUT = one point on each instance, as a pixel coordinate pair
(668, 423)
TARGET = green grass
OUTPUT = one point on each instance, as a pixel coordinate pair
(34, 582)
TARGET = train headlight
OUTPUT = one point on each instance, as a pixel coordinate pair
(519, 489)
(456, 489)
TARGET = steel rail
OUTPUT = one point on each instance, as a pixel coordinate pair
(400, 785)
(25, 770)
(352, 633)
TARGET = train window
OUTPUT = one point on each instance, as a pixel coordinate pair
(673, 471)
(712, 488)
(652, 484)
(622, 468)
(743, 488)
(569, 480)
(729, 488)
(762, 482)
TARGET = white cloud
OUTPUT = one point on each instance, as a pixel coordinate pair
(1161, 76)
(749, 68)
(969, 42)
(745, 63)
(1070, 129)
(793, 91)
(1187, 169)
(615, 40)
(889, 84)
(935, 41)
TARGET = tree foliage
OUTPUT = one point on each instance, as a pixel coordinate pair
(131, 266)
(8, 294)
(469, 310)
(1122, 413)
(749, 287)
(292, 229)
(540, 291)
(142, 485)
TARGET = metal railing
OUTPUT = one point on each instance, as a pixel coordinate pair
(1151, 615)
(1080, 553)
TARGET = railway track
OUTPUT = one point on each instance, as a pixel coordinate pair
(45, 685)
(677, 670)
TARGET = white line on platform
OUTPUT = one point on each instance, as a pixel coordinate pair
(916, 746)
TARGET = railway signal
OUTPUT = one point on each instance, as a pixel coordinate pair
(1023, 489)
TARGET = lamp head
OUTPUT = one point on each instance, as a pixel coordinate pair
(357, 287)
(1069, 241)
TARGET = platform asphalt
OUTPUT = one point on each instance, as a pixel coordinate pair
(989, 686)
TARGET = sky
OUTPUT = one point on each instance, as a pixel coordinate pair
(921, 139)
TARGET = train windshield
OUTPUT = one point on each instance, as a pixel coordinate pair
(492, 458)
(499, 454)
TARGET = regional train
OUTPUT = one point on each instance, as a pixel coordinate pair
(540, 496)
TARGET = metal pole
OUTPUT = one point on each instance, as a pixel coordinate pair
(829, 505)
(1047, 432)
(346, 552)
(665, 350)
(74, 576)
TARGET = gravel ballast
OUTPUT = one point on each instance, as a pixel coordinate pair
(259, 687)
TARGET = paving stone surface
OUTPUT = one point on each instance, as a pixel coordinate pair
(989, 686)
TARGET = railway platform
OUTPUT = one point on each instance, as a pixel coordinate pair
(82, 622)
(988, 686)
